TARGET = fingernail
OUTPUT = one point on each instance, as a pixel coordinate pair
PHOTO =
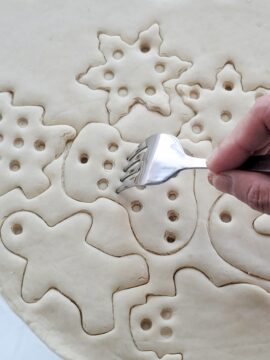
(222, 182)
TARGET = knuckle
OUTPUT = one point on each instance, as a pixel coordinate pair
(258, 198)
(262, 107)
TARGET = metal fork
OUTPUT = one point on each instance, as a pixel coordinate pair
(161, 157)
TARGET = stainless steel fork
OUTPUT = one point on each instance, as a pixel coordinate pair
(162, 157)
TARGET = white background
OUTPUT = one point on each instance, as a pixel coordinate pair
(17, 341)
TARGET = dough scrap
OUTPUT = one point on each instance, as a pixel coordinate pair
(134, 73)
(204, 321)
(53, 255)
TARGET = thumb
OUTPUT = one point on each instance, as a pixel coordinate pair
(250, 187)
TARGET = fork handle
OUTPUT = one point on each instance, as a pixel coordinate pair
(259, 163)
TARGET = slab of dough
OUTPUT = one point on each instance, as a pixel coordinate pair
(172, 271)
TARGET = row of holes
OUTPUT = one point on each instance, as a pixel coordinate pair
(107, 164)
(137, 206)
(166, 331)
(150, 90)
(103, 183)
(39, 145)
(166, 313)
(119, 54)
(225, 116)
(227, 85)
(22, 122)
(173, 215)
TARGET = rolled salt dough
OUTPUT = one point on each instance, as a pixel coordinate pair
(94, 274)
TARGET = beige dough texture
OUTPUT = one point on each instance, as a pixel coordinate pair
(176, 271)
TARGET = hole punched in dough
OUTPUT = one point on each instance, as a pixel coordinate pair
(194, 94)
(84, 158)
(226, 116)
(225, 217)
(18, 142)
(172, 195)
(14, 165)
(166, 332)
(39, 145)
(108, 165)
(160, 68)
(166, 313)
(103, 184)
(22, 122)
(118, 54)
(146, 324)
(136, 206)
(145, 48)
(228, 85)
(170, 237)
(197, 128)
(17, 229)
(113, 147)
(173, 215)
(123, 91)
(150, 90)
(108, 75)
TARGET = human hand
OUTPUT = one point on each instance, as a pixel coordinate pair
(250, 136)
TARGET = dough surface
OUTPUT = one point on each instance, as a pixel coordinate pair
(176, 271)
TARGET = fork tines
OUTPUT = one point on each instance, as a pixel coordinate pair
(132, 169)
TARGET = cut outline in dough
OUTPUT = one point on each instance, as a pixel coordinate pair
(126, 200)
(137, 96)
(249, 273)
(129, 216)
(214, 116)
(148, 297)
(85, 212)
(33, 117)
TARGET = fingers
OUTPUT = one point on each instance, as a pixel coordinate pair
(249, 136)
(250, 187)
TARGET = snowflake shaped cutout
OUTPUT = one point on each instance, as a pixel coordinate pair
(134, 73)
(217, 110)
